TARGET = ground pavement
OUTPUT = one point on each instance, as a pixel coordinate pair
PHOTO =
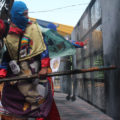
(77, 110)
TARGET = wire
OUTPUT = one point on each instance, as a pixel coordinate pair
(59, 8)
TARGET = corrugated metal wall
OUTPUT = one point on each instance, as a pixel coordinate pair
(111, 50)
(100, 25)
(91, 86)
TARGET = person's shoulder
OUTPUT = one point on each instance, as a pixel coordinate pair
(32, 24)
(33, 27)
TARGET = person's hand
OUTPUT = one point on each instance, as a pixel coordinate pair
(43, 72)
(85, 42)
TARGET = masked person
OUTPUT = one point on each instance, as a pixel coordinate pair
(25, 56)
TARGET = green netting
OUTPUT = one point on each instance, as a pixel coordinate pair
(58, 46)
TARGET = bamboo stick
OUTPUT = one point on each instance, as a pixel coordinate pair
(77, 71)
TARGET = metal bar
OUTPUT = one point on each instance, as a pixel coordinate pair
(77, 71)
(91, 29)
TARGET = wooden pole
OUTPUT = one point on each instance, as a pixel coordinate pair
(77, 71)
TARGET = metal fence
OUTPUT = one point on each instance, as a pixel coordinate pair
(90, 86)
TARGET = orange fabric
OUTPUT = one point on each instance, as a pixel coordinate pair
(3, 117)
(1, 87)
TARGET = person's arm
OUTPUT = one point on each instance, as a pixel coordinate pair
(45, 62)
(79, 44)
(45, 67)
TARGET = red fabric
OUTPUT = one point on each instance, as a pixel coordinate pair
(80, 43)
(40, 119)
(2, 27)
(53, 114)
(3, 73)
(15, 29)
(45, 62)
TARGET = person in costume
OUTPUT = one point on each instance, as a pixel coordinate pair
(28, 53)
(25, 56)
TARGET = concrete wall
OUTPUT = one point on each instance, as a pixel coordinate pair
(111, 48)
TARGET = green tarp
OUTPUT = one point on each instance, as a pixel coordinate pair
(58, 46)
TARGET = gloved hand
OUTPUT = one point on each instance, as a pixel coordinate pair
(43, 72)
(85, 42)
